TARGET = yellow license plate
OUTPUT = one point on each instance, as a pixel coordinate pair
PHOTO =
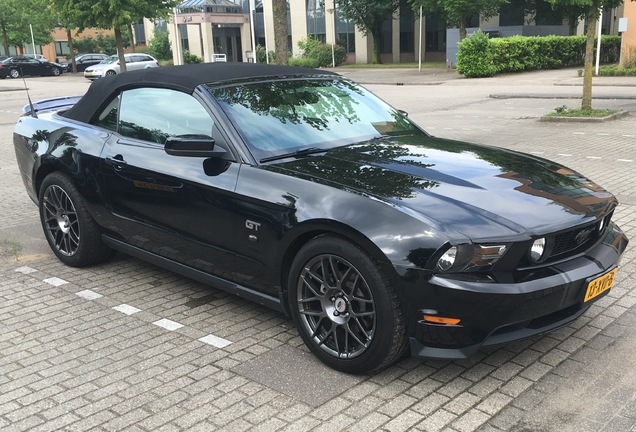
(599, 285)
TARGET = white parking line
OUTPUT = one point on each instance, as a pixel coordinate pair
(564, 154)
(579, 133)
(25, 270)
(629, 136)
(126, 309)
(593, 157)
(55, 281)
(215, 341)
(168, 324)
(89, 295)
(625, 160)
(212, 340)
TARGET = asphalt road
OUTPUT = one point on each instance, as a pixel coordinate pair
(129, 346)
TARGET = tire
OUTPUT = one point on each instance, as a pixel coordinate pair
(345, 308)
(14, 73)
(111, 73)
(55, 71)
(72, 233)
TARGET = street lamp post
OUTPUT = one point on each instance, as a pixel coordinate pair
(333, 42)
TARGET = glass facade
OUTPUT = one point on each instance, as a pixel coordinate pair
(316, 24)
(407, 29)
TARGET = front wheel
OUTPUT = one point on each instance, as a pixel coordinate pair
(344, 307)
(110, 73)
(55, 71)
(69, 228)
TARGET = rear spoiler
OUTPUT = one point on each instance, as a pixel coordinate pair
(54, 104)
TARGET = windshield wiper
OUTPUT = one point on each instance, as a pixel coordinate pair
(297, 154)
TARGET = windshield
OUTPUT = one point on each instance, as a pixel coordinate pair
(281, 117)
(109, 60)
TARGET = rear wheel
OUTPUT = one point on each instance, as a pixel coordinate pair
(14, 73)
(70, 230)
(345, 308)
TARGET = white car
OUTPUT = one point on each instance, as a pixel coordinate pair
(110, 66)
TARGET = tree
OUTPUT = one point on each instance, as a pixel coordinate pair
(368, 16)
(458, 13)
(18, 16)
(160, 45)
(592, 10)
(280, 30)
(115, 14)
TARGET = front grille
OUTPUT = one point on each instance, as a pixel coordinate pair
(572, 240)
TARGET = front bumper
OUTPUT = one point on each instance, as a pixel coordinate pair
(529, 303)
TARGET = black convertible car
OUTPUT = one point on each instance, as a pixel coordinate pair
(300, 190)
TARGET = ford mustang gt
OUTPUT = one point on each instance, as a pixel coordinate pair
(301, 190)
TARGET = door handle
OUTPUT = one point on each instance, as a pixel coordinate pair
(116, 161)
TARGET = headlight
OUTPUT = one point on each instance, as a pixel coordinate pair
(447, 260)
(470, 257)
(537, 250)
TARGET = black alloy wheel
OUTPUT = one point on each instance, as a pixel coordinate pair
(345, 309)
(69, 228)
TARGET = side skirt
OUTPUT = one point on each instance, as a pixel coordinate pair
(198, 275)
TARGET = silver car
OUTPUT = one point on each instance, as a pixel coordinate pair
(110, 66)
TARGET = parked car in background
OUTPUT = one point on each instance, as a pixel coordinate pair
(36, 56)
(84, 61)
(110, 66)
(15, 67)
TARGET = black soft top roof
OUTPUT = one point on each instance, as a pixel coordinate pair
(184, 78)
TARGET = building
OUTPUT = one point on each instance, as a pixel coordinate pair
(629, 36)
(207, 28)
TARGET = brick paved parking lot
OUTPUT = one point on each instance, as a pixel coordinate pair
(129, 346)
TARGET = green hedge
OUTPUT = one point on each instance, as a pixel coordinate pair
(523, 53)
(318, 53)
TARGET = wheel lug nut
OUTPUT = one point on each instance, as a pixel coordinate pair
(333, 299)
(336, 313)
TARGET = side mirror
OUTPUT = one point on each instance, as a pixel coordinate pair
(193, 146)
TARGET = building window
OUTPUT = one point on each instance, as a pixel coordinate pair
(435, 33)
(407, 29)
(140, 33)
(183, 34)
(316, 25)
(61, 48)
(386, 37)
(512, 13)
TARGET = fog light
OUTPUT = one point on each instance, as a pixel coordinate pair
(537, 250)
(447, 260)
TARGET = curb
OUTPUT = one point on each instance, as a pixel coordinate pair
(540, 96)
(614, 116)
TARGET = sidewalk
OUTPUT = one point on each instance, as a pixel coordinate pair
(565, 82)
(436, 76)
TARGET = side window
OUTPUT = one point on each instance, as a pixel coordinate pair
(108, 117)
(154, 114)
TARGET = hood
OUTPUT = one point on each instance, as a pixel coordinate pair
(461, 185)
